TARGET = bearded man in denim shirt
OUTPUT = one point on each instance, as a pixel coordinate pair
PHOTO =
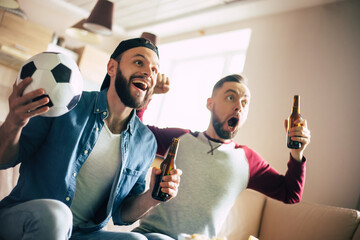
(84, 167)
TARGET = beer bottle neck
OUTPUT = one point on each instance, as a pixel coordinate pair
(296, 110)
(296, 104)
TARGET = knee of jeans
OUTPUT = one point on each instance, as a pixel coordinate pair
(157, 236)
(55, 215)
(138, 236)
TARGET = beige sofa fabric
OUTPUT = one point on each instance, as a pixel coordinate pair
(307, 221)
(245, 217)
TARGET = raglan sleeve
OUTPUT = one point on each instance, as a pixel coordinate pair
(287, 188)
(164, 137)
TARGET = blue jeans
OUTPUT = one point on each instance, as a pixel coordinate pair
(41, 219)
(101, 235)
(45, 219)
(157, 236)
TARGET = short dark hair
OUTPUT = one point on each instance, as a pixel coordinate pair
(230, 78)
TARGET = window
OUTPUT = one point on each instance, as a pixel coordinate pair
(193, 67)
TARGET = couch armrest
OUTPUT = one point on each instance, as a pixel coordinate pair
(245, 216)
(307, 221)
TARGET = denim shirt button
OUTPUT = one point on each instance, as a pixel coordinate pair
(97, 110)
(104, 113)
(74, 174)
(97, 129)
(67, 199)
(85, 152)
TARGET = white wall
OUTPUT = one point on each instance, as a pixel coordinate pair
(315, 53)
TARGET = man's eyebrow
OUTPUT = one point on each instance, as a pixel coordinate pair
(142, 56)
(235, 92)
(139, 55)
(232, 90)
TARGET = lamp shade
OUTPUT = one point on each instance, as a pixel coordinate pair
(11, 4)
(100, 19)
(77, 31)
(150, 36)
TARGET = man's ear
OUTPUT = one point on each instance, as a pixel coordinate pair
(209, 104)
(112, 67)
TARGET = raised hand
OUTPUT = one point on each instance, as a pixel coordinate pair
(162, 84)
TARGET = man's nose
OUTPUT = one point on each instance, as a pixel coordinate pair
(148, 73)
(147, 70)
(238, 108)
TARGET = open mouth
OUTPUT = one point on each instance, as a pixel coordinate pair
(232, 122)
(141, 85)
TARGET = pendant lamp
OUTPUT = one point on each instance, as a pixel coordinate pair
(100, 19)
(150, 36)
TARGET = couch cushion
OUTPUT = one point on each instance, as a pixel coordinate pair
(245, 216)
(307, 221)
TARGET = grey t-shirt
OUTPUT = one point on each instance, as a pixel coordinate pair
(209, 187)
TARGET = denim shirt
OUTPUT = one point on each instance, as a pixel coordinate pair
(52, 151)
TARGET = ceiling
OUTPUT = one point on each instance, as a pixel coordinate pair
(165, 18)
(132, 15)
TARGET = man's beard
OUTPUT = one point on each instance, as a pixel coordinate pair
(219, 127)
(123, 86)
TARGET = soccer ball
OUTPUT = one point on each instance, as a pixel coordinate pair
(59, 76)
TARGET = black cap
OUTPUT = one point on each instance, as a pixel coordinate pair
(124, 46)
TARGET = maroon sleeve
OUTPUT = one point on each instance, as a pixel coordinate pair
(287, 188)
(164, 137)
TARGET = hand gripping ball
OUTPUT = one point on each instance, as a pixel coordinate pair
(59, 76)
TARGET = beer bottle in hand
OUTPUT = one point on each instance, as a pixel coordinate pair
(295, 115)
(166, 166)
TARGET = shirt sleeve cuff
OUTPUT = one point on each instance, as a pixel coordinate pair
(303, 160)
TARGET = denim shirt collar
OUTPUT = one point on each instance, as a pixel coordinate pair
(102, 108)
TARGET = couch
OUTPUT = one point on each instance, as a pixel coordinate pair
(268, 219)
